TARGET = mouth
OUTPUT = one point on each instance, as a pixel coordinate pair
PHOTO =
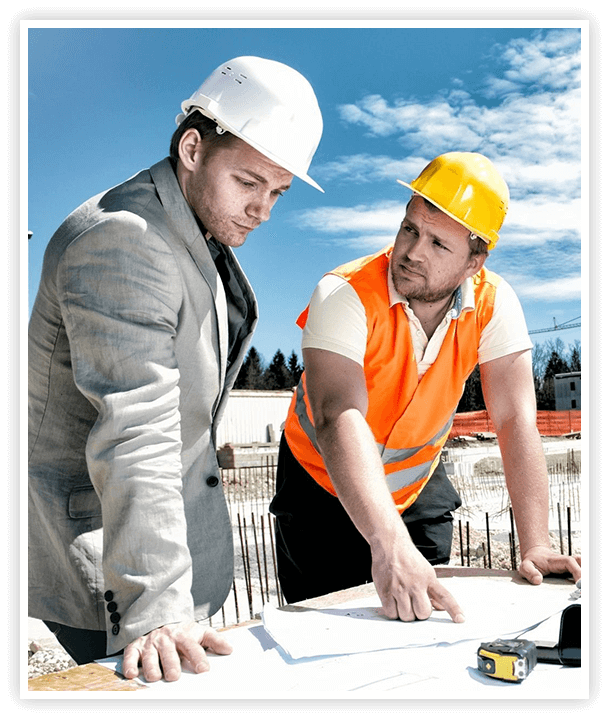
(247, 228)
(409, 271)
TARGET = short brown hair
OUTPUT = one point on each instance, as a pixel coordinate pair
(205, 126)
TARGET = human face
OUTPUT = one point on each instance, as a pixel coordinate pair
(431, 255)
(231, 187)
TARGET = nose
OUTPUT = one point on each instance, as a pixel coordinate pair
(259, 207)
(416, 250)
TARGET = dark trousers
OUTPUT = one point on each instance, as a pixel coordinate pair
(319, 550)
(83, 646)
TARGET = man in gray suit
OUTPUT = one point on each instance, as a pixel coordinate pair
(139, 328)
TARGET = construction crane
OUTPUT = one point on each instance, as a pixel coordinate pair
(561, 326)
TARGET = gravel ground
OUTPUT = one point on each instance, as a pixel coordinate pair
(46, 657)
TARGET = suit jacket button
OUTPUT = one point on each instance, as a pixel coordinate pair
(108, 595)
(116, 629)
(112, 606)
(115, 617)
(212, 481)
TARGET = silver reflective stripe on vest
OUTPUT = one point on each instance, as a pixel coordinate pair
(403, 478)
(391, 456)
(301, 411)
(409, 476)
(395, 480)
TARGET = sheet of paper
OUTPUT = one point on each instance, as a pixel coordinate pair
(493, 608)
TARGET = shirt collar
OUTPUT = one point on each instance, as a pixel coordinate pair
(463, 297)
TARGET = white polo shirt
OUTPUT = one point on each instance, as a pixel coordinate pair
(337, 322)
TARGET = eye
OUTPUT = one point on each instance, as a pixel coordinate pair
(439, 245)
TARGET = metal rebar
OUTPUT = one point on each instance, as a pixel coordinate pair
(512, 539)
(265, 556)
(247, 563)
(488, 540)
(461, 544)
(243, 554)
(568, 509)
(468, 542)
(275, 571)
(236, 602)
(258, 560)
(560, 530)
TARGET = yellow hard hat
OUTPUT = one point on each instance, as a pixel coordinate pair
(467, 187)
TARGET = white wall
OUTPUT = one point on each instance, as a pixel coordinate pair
(248, 414)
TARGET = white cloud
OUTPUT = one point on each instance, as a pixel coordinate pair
(371, 168)
(554, 178)
(385, 216)
(532, 129)
(550, 60)
(531, 221)
(425, 126)
(535, 221)
(366, 228)
(566, 288)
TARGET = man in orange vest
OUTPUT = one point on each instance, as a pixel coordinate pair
(388, 343)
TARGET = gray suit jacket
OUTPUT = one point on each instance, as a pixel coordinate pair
(130, 365)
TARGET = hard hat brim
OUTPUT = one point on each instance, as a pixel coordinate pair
(187, 109)
(473, 230)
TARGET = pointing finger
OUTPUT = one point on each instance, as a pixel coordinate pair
(443, 599)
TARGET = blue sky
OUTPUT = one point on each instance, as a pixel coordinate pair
(102, 102)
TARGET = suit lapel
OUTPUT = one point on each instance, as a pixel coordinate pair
(188, 230)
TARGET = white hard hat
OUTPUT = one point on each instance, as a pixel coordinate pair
(267, 104)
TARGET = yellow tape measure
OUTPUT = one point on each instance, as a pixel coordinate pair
(509, 660)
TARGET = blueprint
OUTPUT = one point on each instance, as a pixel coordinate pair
(493, 608)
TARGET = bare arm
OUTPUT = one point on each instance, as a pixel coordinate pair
(405, 581)
(508, 389)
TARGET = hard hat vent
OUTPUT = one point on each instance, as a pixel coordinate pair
(237, 78)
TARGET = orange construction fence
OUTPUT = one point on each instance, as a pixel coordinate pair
(549, 422)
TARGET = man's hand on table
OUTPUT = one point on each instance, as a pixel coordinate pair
(540, 560)
(162, 651)
(407, 584)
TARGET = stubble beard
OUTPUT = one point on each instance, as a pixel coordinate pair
(420, 291)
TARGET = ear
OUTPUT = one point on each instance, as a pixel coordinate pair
(475, 264)
(189, 146)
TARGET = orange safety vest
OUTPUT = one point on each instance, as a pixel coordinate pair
(409, 419)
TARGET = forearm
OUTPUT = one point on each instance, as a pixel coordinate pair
(405, 581)
(355, 468)
(527, 482)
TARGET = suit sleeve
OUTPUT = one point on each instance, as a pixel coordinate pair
(120, 291)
